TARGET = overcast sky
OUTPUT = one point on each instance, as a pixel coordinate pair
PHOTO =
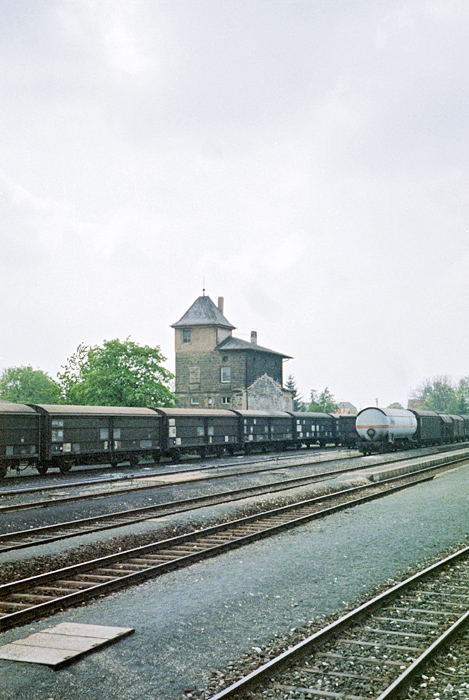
(308, 159)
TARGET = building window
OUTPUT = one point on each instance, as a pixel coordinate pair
(194, 375)
(225, 375)
(226, 399)
(186, 335)
(195, 401)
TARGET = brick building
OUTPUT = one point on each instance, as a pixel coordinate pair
(216, 370)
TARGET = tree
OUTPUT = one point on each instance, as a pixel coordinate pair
(28, 385)
(298, 404)
(116, 374)
(323, 402)
(438, 394)
(396, 404)
(462, 396)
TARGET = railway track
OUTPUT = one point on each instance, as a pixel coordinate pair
(374, 651)
(130, 486)
(96, 492)
(125, 473)
(58, 531)
(31, 598)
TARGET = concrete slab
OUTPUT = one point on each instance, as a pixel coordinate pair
(62, 644)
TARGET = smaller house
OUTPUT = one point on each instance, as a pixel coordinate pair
(345, 408)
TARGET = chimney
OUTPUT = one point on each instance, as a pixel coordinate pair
(220, 304)
(254, 337)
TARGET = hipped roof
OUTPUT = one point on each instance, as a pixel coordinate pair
(238, 344)
(203, 312)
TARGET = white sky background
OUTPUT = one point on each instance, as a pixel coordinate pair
(308, 158)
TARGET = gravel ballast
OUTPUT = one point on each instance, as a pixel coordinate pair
(195, 625)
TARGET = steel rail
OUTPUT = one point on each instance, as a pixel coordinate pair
(213, 477)
(39, 536)
(199, 467)
(307, 645)
(146, 487)
(162, 556)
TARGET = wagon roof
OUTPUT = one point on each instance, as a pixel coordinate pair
(8, 407)
(263, 414)
(58, 409)
(311, 414)
(196, 412)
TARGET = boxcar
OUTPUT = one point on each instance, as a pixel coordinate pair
(19, 436)
(429, 427)
(346, 430)
(458, 427)
(196, 430)
(265, 430)
(73, 435)
(466, 426)
(314, 429)
(447, 428)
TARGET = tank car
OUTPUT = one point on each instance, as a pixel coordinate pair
(385, 429)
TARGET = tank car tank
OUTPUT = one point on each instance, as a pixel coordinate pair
(385, 429)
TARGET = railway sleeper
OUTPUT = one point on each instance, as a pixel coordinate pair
(118, 573)
(31, 597)
(397, 633)
(362, 659)
(127, 568)
(74, 584)
(164, 557)
(445, 594)
(7, 606)
(340, 674)
(406, 621)
(94, 578)
(182, 551)
(153, 561)
(215, 541)
(56, 591)
(122, 573)
(316, 693)
(146, 563)
(378, 645)
(427, 611)
(448, 604)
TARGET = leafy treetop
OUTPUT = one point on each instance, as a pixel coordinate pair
(441, 393)
(28, 385)
(116, 374)
(323, 402)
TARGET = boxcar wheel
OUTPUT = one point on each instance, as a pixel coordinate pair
(3, 470)
(65, 467)
(42, 468)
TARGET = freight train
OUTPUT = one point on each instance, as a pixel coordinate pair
(389, 429)
(61, 437)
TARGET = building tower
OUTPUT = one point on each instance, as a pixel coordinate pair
(216, 370)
